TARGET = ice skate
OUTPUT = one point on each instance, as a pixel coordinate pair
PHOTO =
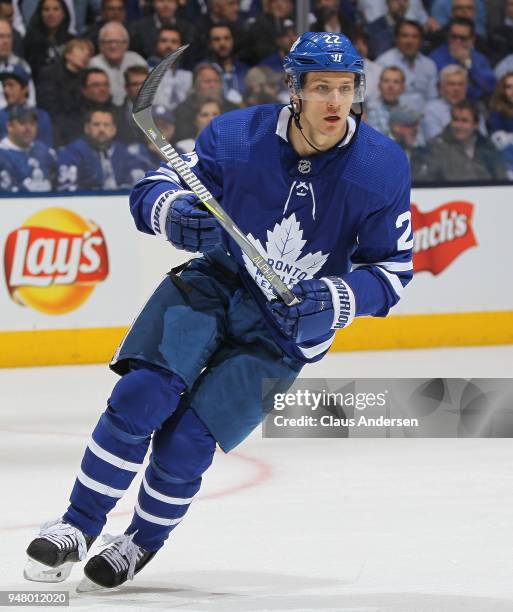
(114, 565)
(53, 552)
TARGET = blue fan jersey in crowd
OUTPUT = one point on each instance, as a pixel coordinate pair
(31, 170)
(80, 166)
(342, 213)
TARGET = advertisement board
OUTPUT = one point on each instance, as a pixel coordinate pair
(75, 272)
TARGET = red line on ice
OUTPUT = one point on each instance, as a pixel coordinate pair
(263, 472)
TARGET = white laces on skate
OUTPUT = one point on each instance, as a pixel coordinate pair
(64, 536)
(123, 554)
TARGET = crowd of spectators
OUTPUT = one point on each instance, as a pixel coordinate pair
(439, 81)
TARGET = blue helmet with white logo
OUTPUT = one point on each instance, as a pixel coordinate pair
(323, 51)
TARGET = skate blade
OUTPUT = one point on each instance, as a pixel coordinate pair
(38, 572)
(88, 586)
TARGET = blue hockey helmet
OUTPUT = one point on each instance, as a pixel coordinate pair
(320, 52)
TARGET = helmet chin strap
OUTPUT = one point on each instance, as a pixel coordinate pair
(296, 112)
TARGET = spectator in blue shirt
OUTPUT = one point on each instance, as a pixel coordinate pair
(97, 160)
(26, 164)
(391, 87)
(420, 71)
(444, 10)
(453, 89)
(459, 49)
(15, 82)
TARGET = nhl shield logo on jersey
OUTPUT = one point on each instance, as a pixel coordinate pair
(54, 261)
(283, 251)
(304, 166)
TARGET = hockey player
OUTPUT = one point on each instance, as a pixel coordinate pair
(327, 200)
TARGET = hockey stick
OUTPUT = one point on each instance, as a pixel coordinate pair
(142, 116)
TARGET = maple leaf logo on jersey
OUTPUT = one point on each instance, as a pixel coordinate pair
(283, 251)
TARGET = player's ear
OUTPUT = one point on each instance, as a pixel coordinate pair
(294, 98)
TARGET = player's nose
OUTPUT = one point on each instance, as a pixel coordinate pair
(334, 104)
(335, 98)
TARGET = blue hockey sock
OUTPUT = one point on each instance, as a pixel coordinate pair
(140, 402)
(180, 455)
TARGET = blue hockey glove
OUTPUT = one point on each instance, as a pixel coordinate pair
(191, 228)
(326, 304)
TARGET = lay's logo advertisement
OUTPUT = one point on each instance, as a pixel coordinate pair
(441, 235)
(54, 261)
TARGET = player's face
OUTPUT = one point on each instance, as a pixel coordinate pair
(101, 128)
(327, 99)
(22, 133)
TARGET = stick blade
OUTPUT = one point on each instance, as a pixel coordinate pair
(147, 92)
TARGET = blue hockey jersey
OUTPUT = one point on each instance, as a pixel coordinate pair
(344, 213)
(31, 169)
(80, 166)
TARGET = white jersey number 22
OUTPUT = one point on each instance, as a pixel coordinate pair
(403, 244)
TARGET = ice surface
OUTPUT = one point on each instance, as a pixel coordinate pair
(395, 525)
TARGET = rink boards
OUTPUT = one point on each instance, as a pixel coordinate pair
(76, 272)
